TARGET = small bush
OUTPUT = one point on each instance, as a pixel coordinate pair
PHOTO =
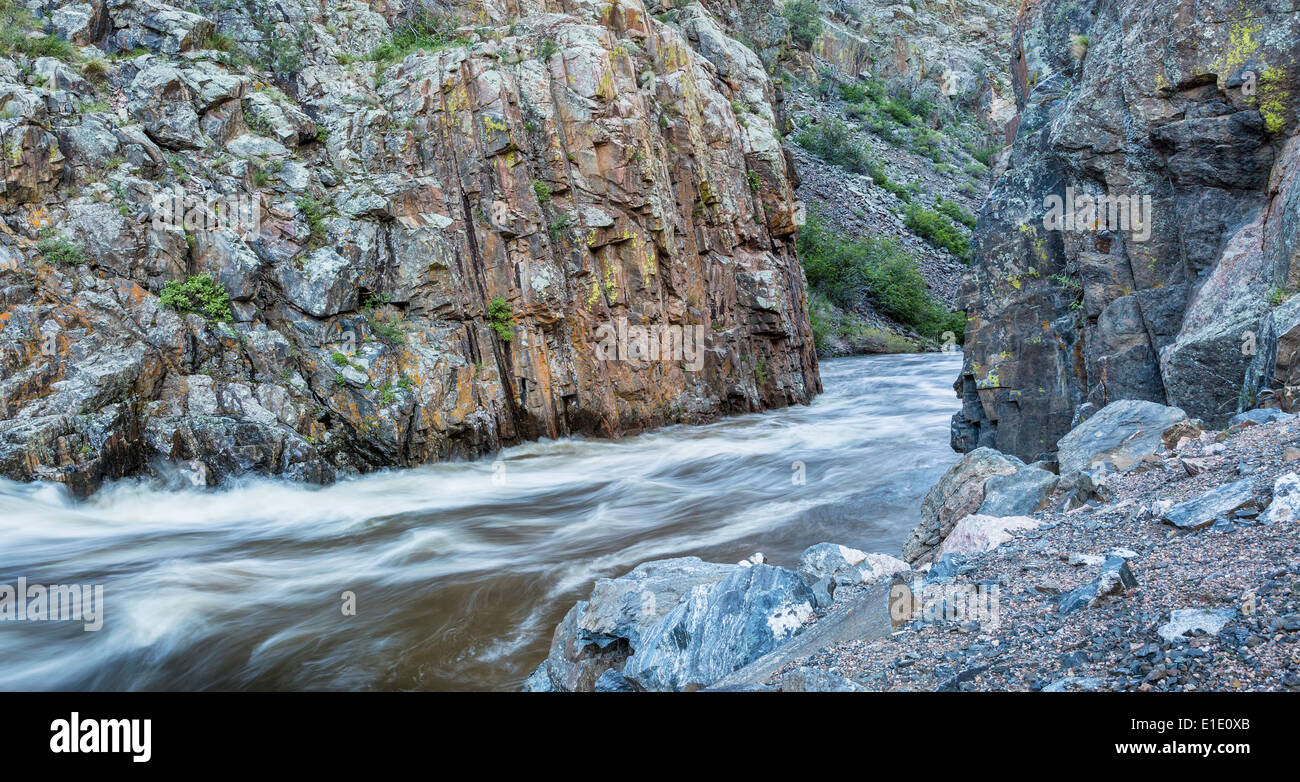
(805, 20)
(548, 49)
(313, 212)
(833, 142)
(899, 111)
(542, 191)
(57, 249)
(200, 294)
(844, 270)
(501, 318)
(424, 30)
(955, 212)
(984, 153)
(937, 230)
(853, 93)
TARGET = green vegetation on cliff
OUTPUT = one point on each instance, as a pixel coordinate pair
(845, 269)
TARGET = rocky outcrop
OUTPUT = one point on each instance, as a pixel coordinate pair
(1169, 295)
(1117, 437)
(958, 494)
(455, 247)
(683, 624)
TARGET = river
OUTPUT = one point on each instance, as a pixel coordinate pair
(460, 571)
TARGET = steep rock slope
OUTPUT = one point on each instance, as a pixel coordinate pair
(445, 228)
(1192, 106)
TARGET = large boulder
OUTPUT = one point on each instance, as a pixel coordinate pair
(599, 634)
(1019, 493)
(959, 493)
(721, 627)
(1117, 436)
(844, 565)
(625, 607)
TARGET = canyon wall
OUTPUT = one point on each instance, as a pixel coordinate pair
(446, 238)
(1188, 110)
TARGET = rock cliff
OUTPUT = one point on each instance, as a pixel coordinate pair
(463, 214)
(1139, 242)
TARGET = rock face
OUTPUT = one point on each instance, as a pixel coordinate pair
(469, 246)
(1117, 436)
(1172, 307)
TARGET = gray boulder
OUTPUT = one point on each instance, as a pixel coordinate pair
(1285, 506)
(719, 628)
(626, 606)
(844, 565)
(958, 494)
(1215, 503)
(1019, 493)
(1115, 578)
(1117, 437)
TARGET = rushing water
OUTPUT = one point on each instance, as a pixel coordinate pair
(460, 570)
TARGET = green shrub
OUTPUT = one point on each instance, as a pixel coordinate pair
(899, 111)
(937, 230)
(424, 30)
(927, 142)
(883, 181)
(984, 153)
(57, 249)
(313, 212)
(855, 92)
(542, 191)
(805, 20)
(955, 212)
(833, 142)
(200, 294)
(501, 318)
(844, 270)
